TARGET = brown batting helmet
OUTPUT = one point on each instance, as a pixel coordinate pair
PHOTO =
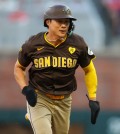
(58, 12)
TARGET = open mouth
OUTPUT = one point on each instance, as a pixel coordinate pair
(63, 31)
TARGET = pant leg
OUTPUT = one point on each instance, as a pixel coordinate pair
(40, 118)
(50, 116)
(61, 116)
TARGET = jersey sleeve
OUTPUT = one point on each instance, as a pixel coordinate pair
(24, 54)
(86, 55)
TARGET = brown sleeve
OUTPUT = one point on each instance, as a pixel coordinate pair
(23, 55)
(86, 55)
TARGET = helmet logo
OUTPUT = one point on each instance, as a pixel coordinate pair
(67, 11)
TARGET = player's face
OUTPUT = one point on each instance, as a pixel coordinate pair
(59, 27)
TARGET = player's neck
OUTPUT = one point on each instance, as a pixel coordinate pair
(54, 39)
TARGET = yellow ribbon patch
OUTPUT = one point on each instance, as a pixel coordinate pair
(72, 50)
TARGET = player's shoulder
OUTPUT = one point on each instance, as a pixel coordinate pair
(36, 37)
(33, 40)
(77, 39)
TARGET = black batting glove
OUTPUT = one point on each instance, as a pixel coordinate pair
(95, 109)
(30, 94)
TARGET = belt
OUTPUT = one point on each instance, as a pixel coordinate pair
(53, 97)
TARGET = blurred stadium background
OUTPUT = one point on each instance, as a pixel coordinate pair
(99, 23)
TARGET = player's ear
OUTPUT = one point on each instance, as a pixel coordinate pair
(48, 22)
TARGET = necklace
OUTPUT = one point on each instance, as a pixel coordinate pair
(60, 39)
(52, 40)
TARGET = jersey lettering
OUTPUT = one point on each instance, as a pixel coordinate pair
(55, 62)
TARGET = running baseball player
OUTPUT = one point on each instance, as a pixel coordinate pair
(53, 57)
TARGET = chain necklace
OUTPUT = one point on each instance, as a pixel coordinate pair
(60, 39)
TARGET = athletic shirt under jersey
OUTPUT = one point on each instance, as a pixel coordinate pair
(53, 67)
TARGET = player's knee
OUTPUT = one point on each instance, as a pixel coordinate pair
(42, 127)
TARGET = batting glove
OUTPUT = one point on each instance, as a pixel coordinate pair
(95, 109)
(30, 94)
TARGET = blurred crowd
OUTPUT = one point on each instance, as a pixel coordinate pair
(110, 10)
(21, 15)
(113, 8)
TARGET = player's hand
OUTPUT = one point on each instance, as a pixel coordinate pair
(95, 109)
(30, 94)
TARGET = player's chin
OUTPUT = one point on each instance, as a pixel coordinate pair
(62, 33)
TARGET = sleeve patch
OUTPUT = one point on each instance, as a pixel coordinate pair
(90, 52)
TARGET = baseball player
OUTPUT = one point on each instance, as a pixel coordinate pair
(53, 57)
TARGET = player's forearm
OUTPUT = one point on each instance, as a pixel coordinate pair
(91, 80)
(20, 76)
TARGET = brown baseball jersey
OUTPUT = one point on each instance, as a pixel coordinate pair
(53, 67)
